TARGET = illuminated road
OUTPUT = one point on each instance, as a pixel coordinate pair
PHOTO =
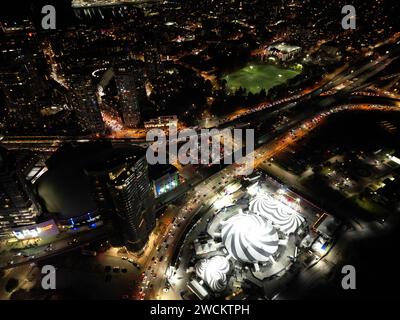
(164, 242)
(330, 85)
(201, 196)
(205, 195)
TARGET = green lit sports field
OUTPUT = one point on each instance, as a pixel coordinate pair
(255, 77)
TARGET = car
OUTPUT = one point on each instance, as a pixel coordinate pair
(116, 269)
(88, 252)
(73, 241)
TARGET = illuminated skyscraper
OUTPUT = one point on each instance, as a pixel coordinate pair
(132, 94)
(18, 205)
(122, 187)
(130, 191)
(86, 106)
(109, 181)
(21, 84)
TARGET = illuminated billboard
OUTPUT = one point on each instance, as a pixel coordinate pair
(41, 230)
(166, 183)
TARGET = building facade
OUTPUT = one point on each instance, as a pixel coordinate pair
(90, 184)
(131, 92)
(18, 204)
(87, 109)
(130, 191)
(21, 83)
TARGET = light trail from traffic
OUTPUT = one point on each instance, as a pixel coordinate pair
(263, 153)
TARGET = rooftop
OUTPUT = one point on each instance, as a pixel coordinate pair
(284, 47)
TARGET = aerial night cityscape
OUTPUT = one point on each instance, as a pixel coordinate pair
(216, 151)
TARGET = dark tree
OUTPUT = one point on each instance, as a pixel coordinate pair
(11, 284)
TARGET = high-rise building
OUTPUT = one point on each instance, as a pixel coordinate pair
(130, 190)
(121, 185)
(131, 92)
(86, 105)
(22, 86)
(18, 204)
(152, 58)
(103, 182)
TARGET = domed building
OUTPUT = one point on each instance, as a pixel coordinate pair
(87, 182)
(214, 272)
(281, 215)
(65, 189)
(249, 238)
